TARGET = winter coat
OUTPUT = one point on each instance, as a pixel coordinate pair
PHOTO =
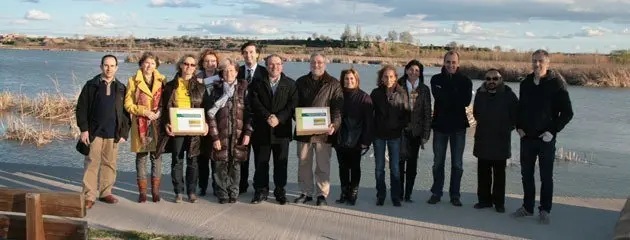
(265, 103)
(452, 94)
(420, 112)
(391, 114)
(196, 91)
(137, 85)
(230, 123)
(357, 124)
(495, 114)
(329, 95)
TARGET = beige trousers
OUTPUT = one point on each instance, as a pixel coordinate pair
(322, 153)
(103, 155)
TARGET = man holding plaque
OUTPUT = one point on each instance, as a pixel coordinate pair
(273, 103)
(318, 116)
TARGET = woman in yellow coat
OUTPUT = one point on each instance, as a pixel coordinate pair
(142, 100)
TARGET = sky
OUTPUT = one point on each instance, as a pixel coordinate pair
(557, 25)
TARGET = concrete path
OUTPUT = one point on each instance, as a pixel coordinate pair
(572, 218)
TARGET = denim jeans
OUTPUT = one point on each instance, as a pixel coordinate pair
(393, 147)
(180, 145)
(531, 149)
(440, 142)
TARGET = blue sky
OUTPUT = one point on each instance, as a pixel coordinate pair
(557, 25)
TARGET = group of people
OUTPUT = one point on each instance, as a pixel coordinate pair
(252, 107)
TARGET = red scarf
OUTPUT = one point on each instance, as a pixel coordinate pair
(143, 122)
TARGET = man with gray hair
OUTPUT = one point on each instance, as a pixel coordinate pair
(273, 101)
(544, 109)
(317, 89)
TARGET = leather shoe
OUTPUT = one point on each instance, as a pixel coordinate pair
(456, 202)
(232, 200)
(258, 198)
(109, 199)
(89, 204)
(282, 200)
(321, 200)
(303, 199)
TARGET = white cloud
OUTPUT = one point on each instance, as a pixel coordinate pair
(98, 20)
(31, 1)
(19, 21)
(530, 34)
(231, 26)
(36, 15)
(174, 4)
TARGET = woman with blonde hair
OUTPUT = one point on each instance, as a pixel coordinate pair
(142, 100)
(184, 91)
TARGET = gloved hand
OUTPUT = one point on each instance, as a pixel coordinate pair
(546, 136)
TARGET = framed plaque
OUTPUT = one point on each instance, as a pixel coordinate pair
(187, 121)
(312, 120)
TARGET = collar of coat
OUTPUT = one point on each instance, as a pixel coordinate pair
(95, 81)
(500, 88)
(158, 81)
(326, 78)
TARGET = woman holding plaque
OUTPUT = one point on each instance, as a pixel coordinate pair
(142, 100)
(355, 134)
(185, 91)
(228, 114)
(391, 114)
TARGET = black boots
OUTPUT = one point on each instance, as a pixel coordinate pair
(348, 195)
(344, 195)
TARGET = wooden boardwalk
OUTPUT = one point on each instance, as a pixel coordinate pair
(572, 218)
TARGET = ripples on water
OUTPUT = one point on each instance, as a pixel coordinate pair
(599, 132)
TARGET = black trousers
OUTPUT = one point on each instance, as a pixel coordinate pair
(244, 165)
(408, 164)
(262, 155)
(180, 145)
(227, 177)
(205, 165)
(491, 182)
(544, 152)
(349, 167)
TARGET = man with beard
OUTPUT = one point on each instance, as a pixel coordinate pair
(494, 109)
(544, 110)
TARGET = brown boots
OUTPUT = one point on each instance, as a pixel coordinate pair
(155, 189)
(142, 189)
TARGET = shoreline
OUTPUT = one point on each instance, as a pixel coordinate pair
(591, 75)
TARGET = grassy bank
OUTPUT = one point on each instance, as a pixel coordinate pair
(96, 234)
(579, 73)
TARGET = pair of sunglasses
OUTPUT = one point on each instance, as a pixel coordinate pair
(493, 78)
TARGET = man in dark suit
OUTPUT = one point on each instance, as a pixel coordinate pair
(273, 102)
(253, 73)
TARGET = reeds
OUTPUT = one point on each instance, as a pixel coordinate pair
(20, 130)
(55, 107)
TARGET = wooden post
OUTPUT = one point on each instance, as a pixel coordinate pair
(34, 217)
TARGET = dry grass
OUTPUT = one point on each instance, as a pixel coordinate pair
(9, 100)
(55, 107)
(20, 130)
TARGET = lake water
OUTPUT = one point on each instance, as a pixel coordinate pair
(599, 132)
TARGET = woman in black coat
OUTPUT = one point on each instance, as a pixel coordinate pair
(495, 110)
(354, 135)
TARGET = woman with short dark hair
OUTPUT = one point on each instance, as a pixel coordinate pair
(142, 100)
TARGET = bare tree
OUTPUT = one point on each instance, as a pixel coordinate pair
(378, 37)
(406, 37)
(347, 34)
(392, 36)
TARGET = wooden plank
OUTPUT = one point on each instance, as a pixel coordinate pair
(14, 227)
(34, 217)
(622, 229)
(64, 204)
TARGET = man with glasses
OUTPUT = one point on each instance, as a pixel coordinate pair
(544, 109)
(494, 109)
(253, 73)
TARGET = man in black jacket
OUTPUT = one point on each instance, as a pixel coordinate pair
(104, 124)
(452, 92)
(544, 110)
(273, 103)
(495, 111)
(253, 73)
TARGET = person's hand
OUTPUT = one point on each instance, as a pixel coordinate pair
(331, 129)
(546, 136)
(520, 132)
(85, 137)
(245, 140)
(168, 130)
(122, 140)
(363, 146)
(217, 145)
(152, 116)
(273, 121)
(205, 129)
